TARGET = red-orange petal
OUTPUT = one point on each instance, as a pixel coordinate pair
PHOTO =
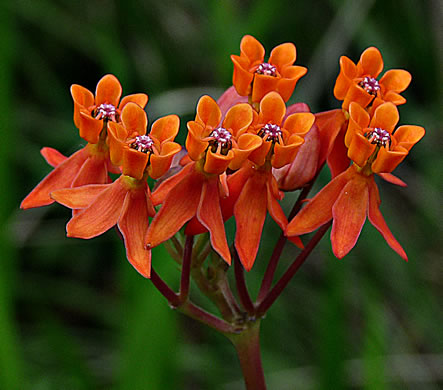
(138, 98)
(78, 197)
(194, 144)
(178, 208)
(209, 214)
(299, 123)
(289, 77)
(388, 160)
(390, 178)
(396, 80)
(283, 55)
(371, 62)
(262, 85)
(272, 109)
(377, 220)
(241, 77)
(319, 209)
(108, 90)
(134, 119)
(250, 214)
(133, 224)
(252, 49)
(349, 214)
(134, 163)
(166, 128)
(52, 156)
(385, 117)
(247, 143)
(160, 163)
(360, 149)
(348, 70)
(408, 135)
(116, 138)
(230, 98)
(338, 160)
(208, 112)
(83, 98)
(101, 215)
(238, 118)
(93, 171)
(274, 207)
(61, 177)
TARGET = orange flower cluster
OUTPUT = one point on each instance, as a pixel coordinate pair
(240, 157)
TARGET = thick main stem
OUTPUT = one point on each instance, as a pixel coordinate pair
(247, 345)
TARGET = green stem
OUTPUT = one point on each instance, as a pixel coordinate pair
(247, 345)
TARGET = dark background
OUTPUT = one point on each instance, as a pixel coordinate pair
(75, 315)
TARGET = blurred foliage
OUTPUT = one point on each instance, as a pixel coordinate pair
(75, 315)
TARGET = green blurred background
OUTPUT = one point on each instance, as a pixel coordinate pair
(75, 315)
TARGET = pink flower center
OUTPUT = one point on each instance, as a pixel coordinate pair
(370, 85)
(271, 133)
(221, 140)
(143, 143)
(379, 137)
(106, 111)
(267, 69)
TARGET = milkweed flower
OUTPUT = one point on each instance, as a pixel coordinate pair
(374, 147)
(253, 189)
(91, 164)
(255, 78)
(358, 83)
(195, 191)
(127, 201)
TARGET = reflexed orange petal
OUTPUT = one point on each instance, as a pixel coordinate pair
(299, 123)
(134, 163)
(83, 98)
(61, 177)
(208, 113)
(217, 163)
(290, 76)
(387, 160)
(349, 214)
(116, 138)
(160, 193)
(274, 207)
(250, 214)
(108, 90)
(283, 55)
(329, 124)
(52, 156)
(338, 160)
(319, 209)
(166, 128)
(392, 97)
(238, 119)
(358, 119)
(194, 144)
(396, 80)
(408, 135)
(159, 164)
(209, 214)
(93, 171)
(241, 77)
(236, 182)
(78, 197)
(89, 127)
(178, 208)
(285, 154)
(360, 149)
(133, 224)
(247, 143)
(134, 119)
(385, 117)
(377, 220)
(272, 109)
(357, 95)
(348, 70)
(371, 62)
(251, 48)
(389, 177)
(101, 215)
(262, 85)
(138, 98)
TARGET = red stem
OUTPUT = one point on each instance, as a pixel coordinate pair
(164, 289)
(278, 249)
(247, 345)
(186, 270)
(242, 289)
(291, 271)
